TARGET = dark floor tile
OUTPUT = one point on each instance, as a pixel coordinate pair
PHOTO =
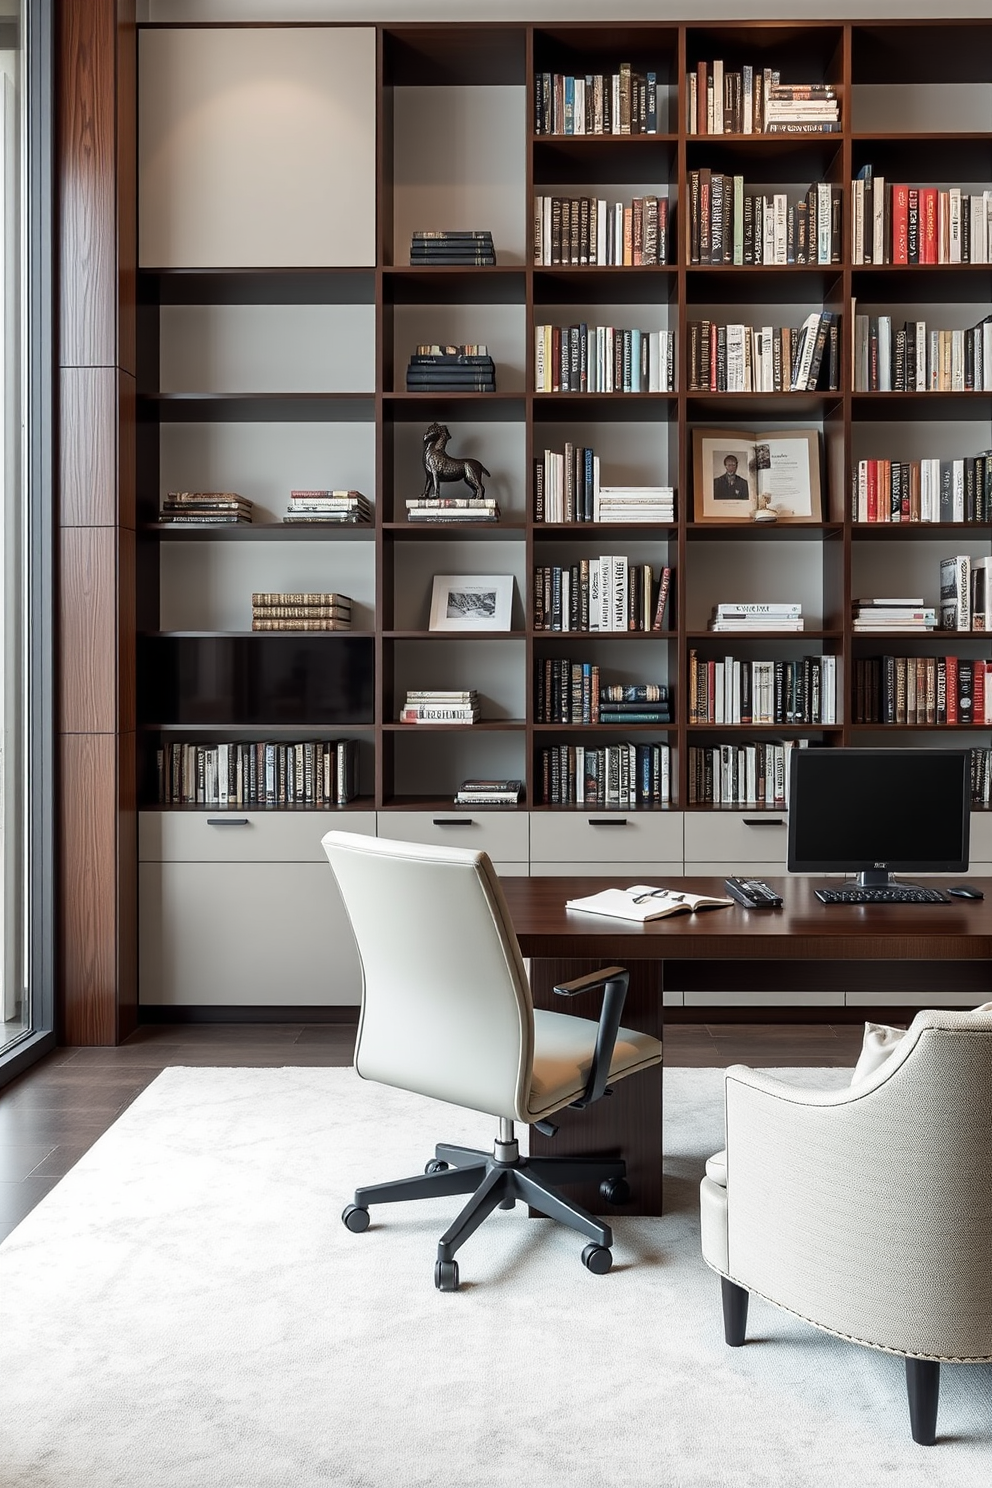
(19, 1159)
(61, 1159)
(18, 1199)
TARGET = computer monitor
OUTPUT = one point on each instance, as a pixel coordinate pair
(879, 811)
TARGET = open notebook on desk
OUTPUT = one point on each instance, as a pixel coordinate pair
(641, 902)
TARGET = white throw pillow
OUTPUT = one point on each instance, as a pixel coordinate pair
(880, 1042)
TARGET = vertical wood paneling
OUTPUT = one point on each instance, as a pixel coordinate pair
(88, 889)
(127, 886)
(88, 456)
(127, 185)
(126, 657)
(89, 630)
(127, 478)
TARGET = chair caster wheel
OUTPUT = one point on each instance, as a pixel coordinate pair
(446, 1276)
(436, 1166)
(615, 1190)
(597, 1259)
(356, 1218)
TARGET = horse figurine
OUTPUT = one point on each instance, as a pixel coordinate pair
(439, 466)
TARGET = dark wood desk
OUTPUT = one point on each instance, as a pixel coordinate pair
(925, 946)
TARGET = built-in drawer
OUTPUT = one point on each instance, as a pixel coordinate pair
(601, 839)
(243, 836)
(737, 869)
(737, 837)
(504, 836)
(658, 875)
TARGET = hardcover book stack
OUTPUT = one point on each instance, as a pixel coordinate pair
(741, 774)
(603, 359)
(731, 691)
(453, 249)
(328, 506)
(755, 618)
(315, 772)
(489, 793)
(881, 615)
(452, 509)
(635, 504)
(756, 101)
(901, 224)
(600, 594)
(917, 359)
(591, 230)
(192, 508)
(765, 359)
(610, 775)
(637, 702)
(432, 706)
(570, 692)
(310, 612)
(956, 490)
(922, 690)
(623, 102)
(451, 369)
(729, 226)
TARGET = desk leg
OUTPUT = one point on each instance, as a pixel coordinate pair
(627, 1123)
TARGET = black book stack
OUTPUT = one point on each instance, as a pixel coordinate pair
(451, 369)
(452, 249)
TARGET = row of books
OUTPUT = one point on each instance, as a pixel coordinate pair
(447, 248)
(731, 691)
(965, 601)
(756, 101)
(570, 692)
(916, 359)
(342, 507)
(567, 488)
(190, 508)
(623, 775)
(300, 611)
(429, 705)
(607, 593)
(489, 793)
(878, 615)
(315, 772)
(737, 358)
(894, 223)
(740, 774)
(922, 690)
(622, 102)
(603, 359)
(459, 370)
(930, 490)
(440, 509)
(981, 777)
(728, 225)
(731, 617)
(591, 230)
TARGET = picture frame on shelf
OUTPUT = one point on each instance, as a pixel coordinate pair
(750, 476)
(471, 602)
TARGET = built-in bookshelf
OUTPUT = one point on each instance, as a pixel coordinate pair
(674, 250)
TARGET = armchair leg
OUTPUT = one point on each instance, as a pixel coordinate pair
(735, 1300)
(923, 1387)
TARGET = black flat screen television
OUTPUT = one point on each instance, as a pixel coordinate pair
(874, 812)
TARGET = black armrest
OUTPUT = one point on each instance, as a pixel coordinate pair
(614, 980)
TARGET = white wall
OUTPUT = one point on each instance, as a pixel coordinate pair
(550, 10)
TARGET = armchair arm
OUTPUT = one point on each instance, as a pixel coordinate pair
(614, 980)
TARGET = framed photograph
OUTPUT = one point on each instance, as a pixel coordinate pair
(745, 476)
(471, 602)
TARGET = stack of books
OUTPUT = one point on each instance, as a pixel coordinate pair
(489, 793)
(328, 506)
(452, 509)
(634, 504)
(894, 614)
(756, 101)
(640, 702)
(207, 507)
(300, 612)
(452, 249)
(451, 369)
(804, 108)
(778, 615)
(428, 705)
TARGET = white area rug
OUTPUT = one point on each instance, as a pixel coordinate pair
(185, 1310)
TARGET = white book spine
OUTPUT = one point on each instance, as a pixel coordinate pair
(823, 222)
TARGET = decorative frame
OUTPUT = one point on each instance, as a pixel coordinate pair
(471, 602)
(766, 477)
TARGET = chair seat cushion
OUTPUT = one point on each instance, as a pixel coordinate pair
(716, 1168)
(563, 1050)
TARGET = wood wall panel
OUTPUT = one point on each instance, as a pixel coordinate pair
(88, 484)
(88, 864)
(127, 185)
(126, 632)
(127, 886)
(87, 173)
(89, 629)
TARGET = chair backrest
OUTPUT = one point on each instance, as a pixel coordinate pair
(446, 1005)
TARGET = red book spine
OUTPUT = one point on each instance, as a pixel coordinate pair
(978, 693)
(951, 666)
(873, 490)
(929, 236)
(900, 224)
(714, 338)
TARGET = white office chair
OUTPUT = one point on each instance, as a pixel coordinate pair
(447, 1012)
(866, 1211)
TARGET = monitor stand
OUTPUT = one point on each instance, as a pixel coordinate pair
(873, 878)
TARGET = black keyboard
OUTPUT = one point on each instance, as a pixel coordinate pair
(894, 894)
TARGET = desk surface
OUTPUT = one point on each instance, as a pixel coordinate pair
(803, 929)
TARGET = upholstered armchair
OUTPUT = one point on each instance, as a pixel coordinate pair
(867, 1211)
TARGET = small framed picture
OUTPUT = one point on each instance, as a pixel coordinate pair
(471, 602)
(743, 476)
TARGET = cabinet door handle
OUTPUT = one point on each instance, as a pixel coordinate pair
(453, 821)
(607, 821)
(228, 821)
(763, 821)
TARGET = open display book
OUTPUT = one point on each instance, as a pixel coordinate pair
(642, 902)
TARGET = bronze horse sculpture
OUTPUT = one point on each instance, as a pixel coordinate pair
(439, 466)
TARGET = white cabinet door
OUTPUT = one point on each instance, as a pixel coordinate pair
(504, 836)
(595, 841)
(744, 839)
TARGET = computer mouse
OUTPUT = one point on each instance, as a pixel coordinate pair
(966, 891)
